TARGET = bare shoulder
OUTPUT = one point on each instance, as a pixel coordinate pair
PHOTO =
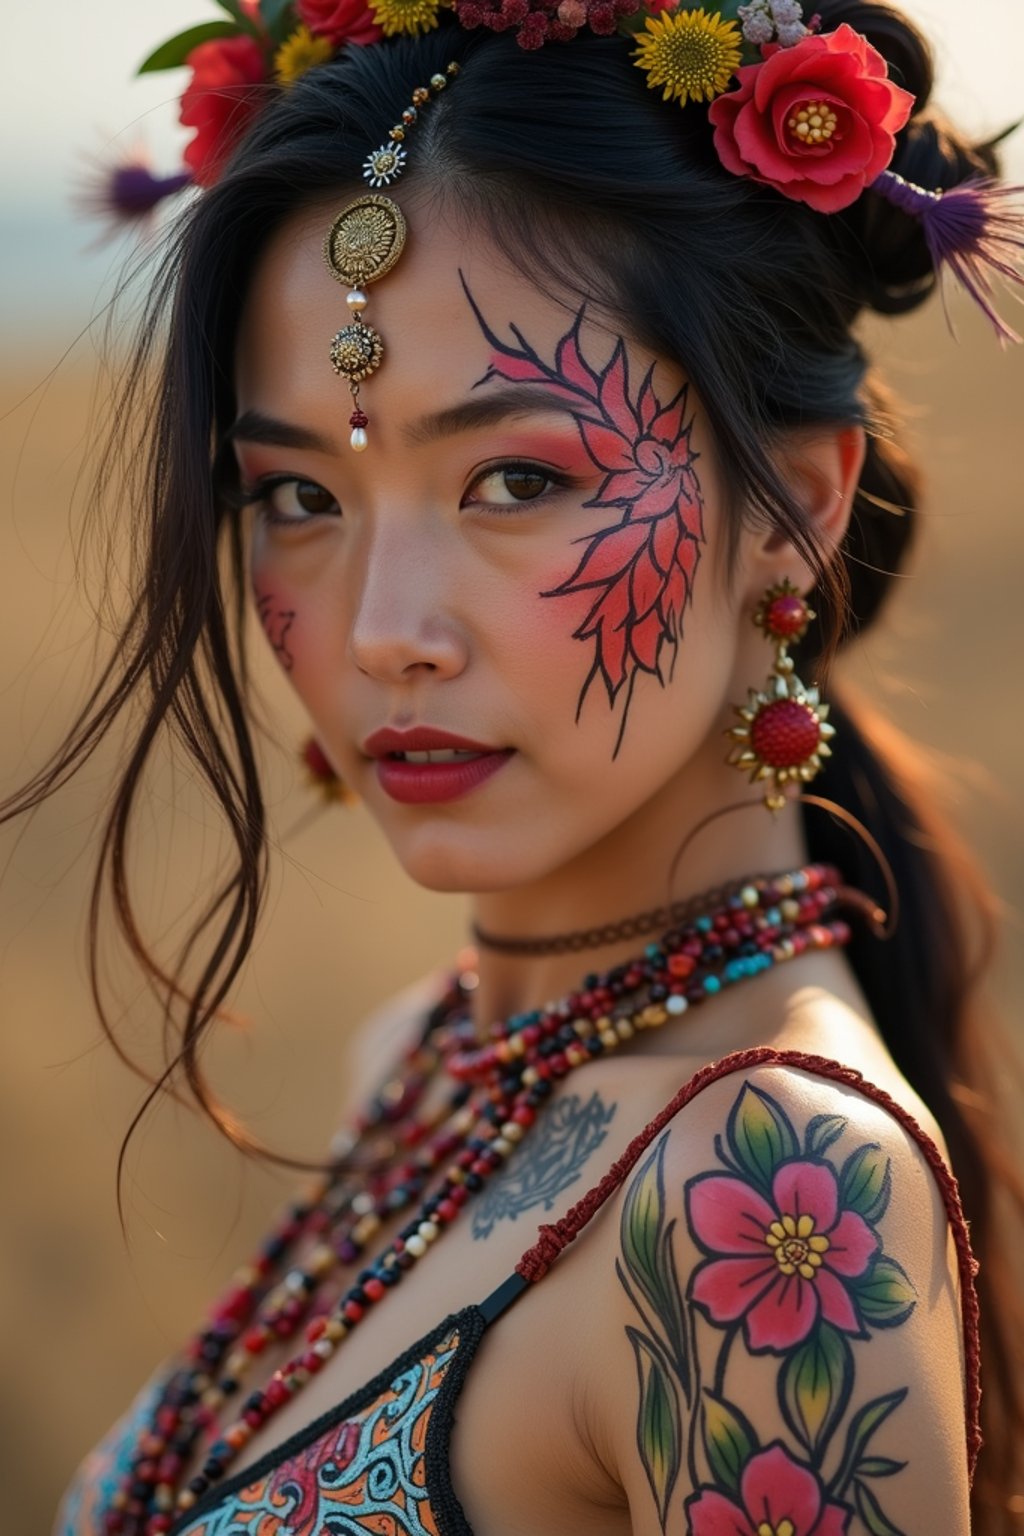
(783, 1317)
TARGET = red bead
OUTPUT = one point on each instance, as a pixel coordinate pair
(681, 966)
(316, 1329)
(524, 1115)
(458, 1194)
(255, 1341)
(352, 1311)
(157, 1524)
(276, 1393)
(374, 1288)
(359, 419)
(167, 1420)
(312, 1362)
(253, 1417)
(480, 1167)
(785, 733)
(786, 616)
(447, 1210)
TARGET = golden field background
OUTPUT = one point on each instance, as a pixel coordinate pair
(87, 1313)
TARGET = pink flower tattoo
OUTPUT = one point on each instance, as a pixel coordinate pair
(776, 1493)
(639, 568)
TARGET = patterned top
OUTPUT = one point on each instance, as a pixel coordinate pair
(378, 1463)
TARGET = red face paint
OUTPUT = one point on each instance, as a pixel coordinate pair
(277, 622)
(637, 572)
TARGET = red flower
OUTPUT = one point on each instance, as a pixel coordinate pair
(779, 1266)
(343, 21)
(220, 100)
(775, 1493)
(759, 132)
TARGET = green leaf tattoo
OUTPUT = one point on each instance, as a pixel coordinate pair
(659, 1434)
(870, 1512)
(760, 1135)
(814, 1387)
(865, 1182)
(729, 1439)
(885, 1297)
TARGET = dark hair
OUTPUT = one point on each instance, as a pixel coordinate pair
(599, 192)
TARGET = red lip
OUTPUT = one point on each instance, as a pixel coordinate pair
(422, 738)
(431, 783)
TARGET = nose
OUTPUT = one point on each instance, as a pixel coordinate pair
(402, 627)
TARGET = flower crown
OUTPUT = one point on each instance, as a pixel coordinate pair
(809, 113)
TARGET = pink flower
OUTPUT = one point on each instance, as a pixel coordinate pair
(773, 1489)
(781, 1265)
(343, 21)
(836, 77)
(220, 100)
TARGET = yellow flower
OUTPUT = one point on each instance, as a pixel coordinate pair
(299, 52)
(693, 55)
(408, 16)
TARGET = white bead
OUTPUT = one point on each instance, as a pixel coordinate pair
(429, 1230)
(356, 300)
(503, 1147)
(358, 439)
(416, 1246)
(676, 1004)
(324, 1348)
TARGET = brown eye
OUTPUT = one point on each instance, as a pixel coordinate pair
(289, 500)
(511, 483)
(311, 497)
(524, 484)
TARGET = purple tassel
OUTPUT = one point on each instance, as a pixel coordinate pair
(128, 193)
(972, 230)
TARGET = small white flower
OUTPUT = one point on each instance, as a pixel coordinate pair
(786, 12)
(791, 32)
(384, 164)
(758, 27)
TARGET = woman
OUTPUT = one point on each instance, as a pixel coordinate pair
(602, 452)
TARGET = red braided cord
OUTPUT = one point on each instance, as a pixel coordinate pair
(554, 1238)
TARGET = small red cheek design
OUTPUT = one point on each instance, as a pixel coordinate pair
(277, 622)
(636, 573)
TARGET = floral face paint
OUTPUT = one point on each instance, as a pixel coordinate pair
(639, 568)
(277, 623)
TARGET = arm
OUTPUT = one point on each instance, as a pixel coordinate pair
(784, 1335)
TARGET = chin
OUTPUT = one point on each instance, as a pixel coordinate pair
(449, 861)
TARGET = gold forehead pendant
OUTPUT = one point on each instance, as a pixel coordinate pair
(362, 245)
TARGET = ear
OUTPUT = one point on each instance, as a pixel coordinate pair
(823, 465)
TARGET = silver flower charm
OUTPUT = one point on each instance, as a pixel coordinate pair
(384, 164)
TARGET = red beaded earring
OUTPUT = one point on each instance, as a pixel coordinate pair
(785, 731)
(322, 777)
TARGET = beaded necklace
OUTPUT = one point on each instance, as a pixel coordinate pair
(497, 1089)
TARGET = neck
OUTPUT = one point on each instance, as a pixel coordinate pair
(627, 872)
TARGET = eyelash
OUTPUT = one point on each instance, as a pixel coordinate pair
(258, 495)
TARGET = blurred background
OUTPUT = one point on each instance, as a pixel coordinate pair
(88, 1311)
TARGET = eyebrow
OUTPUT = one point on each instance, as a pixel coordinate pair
(484, 411)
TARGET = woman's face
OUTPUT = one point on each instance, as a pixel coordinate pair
(518, 575)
